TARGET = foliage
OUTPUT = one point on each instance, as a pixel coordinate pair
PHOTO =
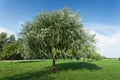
(119, 58)
(57, 34)
(94, 56)
(10, 48)
(3, 38)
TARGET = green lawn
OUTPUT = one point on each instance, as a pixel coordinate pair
(66, 70)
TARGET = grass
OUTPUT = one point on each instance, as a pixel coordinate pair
(65, 70)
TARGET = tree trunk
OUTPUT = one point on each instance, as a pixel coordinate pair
(53, 64)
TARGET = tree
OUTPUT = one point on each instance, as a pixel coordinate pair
(23, 50)
(3, 39)
(10, 47)
(11, 39)
(119, 58)
(10, 52)
(57, 34)
(94, 56)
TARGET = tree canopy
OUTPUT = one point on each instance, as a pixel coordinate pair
(57, 34)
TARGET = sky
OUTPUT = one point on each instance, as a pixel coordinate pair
(101, 17)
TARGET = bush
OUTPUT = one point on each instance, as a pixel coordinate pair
(119, 58)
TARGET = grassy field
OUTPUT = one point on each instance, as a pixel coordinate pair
(66, 70)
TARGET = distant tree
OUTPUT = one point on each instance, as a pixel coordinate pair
(95, 56)
(11, 39)
(57, 34)
(23, 49)
(119, 58)
(3, 39)
(10, 52)
(11, 48)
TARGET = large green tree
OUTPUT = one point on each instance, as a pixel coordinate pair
(57, 34)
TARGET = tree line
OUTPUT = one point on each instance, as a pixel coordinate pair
(10, 48)
(57, 34)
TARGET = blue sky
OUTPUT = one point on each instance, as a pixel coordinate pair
(99, 16)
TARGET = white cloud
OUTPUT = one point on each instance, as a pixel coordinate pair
(21, 23)
(2, 29)
(108, 38)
